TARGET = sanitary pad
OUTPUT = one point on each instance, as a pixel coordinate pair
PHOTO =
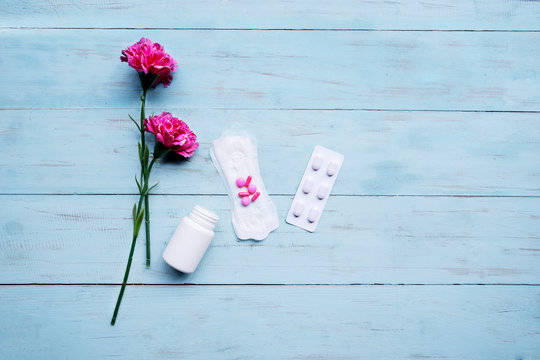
(235, 156)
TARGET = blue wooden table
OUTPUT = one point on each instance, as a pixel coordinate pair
(429, 247)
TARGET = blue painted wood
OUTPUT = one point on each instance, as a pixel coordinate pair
(414, 240)
(254, 322)
(290, 14)
(64, 129)
(405, 153)
(278, 69)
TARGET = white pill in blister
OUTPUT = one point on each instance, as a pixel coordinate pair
(332, 168)
(308, 185)
(322, 192)
(317, 162)
(298, 209)
(313, 215)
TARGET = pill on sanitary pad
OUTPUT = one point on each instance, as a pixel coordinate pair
(315, 188)
(240, 182)
(246, 200)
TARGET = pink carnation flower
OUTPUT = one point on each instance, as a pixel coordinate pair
(148, 57)
(173, 133)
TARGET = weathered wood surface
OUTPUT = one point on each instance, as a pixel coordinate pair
(290, 14)
(389, 153)
(276, 322)
(386, 240)
(435, 105)
(278, 69)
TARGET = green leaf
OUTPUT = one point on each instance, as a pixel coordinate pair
(148, 191)
(134, 212)
(135, 122)
(147, 175)
(140, 152)
(146, 155)
(138, 185)
(138, 223)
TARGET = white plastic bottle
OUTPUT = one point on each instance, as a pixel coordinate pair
(191, 239)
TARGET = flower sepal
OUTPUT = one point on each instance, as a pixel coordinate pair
(160, 150)
(148, 81)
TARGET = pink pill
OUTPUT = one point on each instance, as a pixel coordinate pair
(243, 194)
(248, 180)
(254, 197)
(240, 182)
(252, 188)
(246, 200)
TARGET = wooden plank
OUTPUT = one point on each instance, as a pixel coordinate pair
(94, 151)
(262, 322)
(278, 69)
(290, 14)
(413, 240)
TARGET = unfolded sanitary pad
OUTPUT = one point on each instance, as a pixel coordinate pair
(235, 156)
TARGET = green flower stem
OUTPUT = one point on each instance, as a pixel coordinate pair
(145, 175)
(147, 212)
(147, 229)
(136, 227)
(126, 275)
(140, 212)
(143, 101)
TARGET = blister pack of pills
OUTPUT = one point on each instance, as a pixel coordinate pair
(312, 194)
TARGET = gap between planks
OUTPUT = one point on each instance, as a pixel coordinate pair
(259, 29)
(270, 285)
(283, 109)
(225, 195)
